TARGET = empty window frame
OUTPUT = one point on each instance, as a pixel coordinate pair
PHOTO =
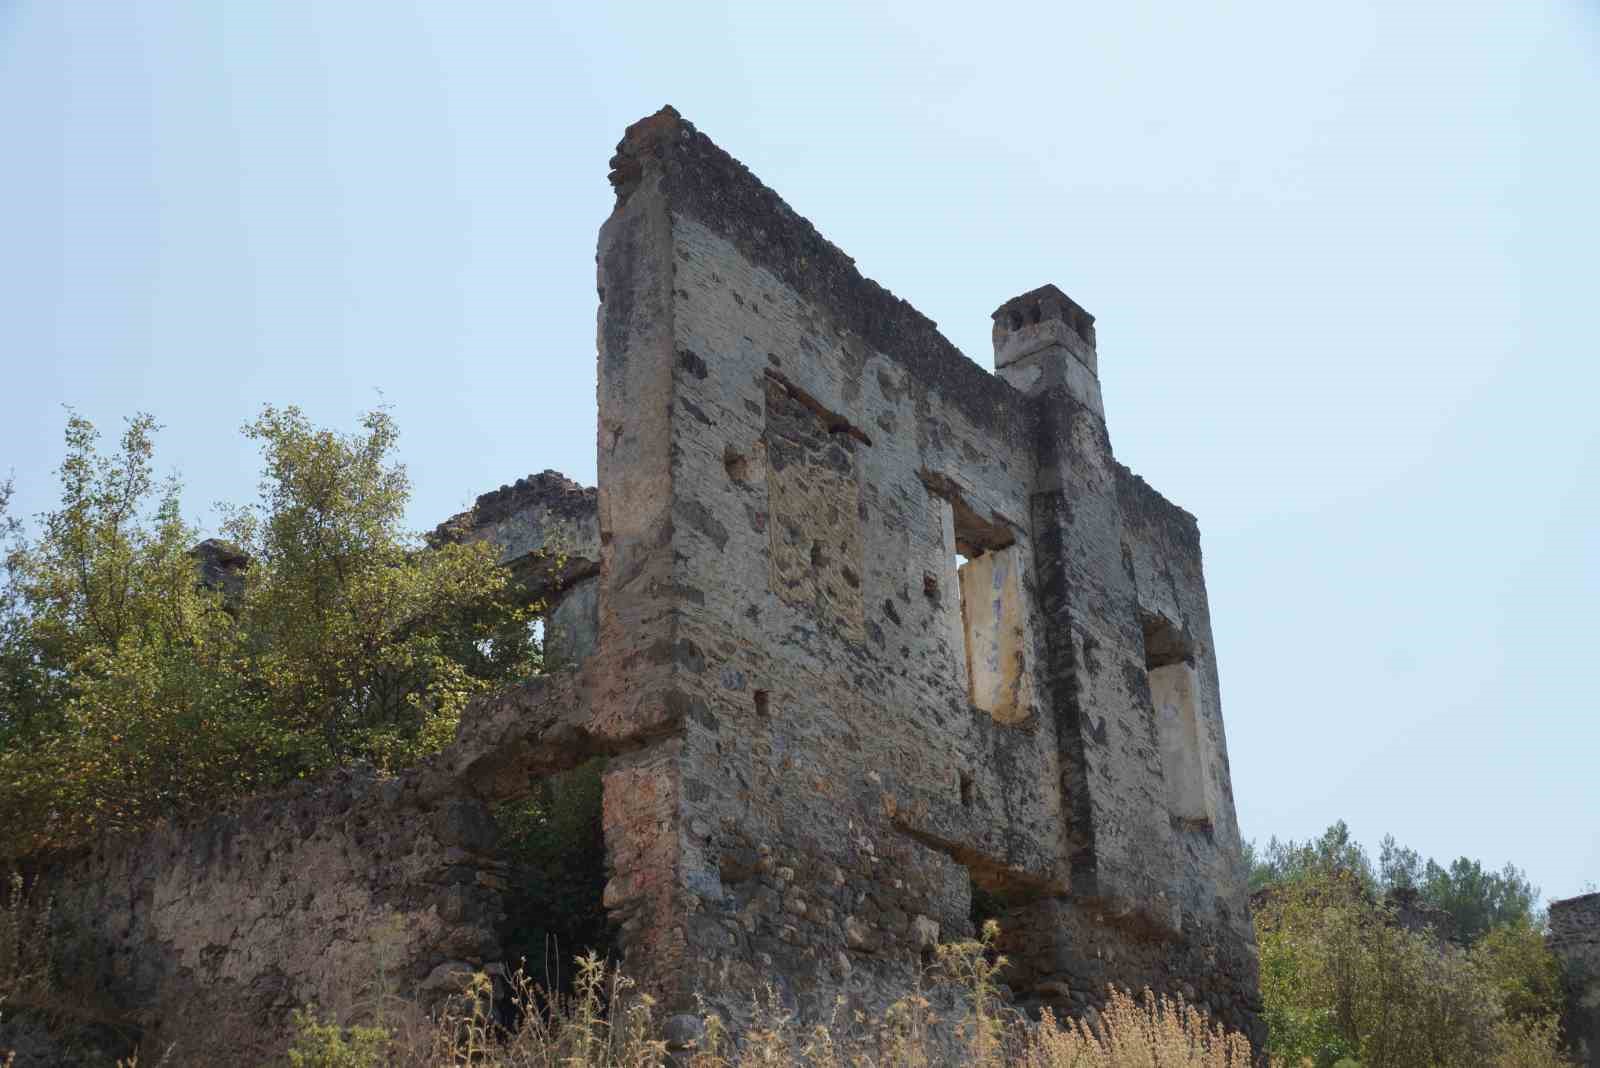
(1175, 693)
(988, 610)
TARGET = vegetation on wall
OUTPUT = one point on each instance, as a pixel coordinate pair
(130, 691)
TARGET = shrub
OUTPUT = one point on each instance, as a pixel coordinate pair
(130, 691)
(1341, 980)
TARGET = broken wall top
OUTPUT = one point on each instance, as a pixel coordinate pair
(705, 182)
(543, 527)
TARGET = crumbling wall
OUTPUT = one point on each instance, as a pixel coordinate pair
(545, 528)
(791, 461)
(206, 935)
(202, 936)
(1575, 940)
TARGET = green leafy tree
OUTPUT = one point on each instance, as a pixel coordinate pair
(130, 691)
(1339, 979)
(1335, 852)
(121, 699)
(369, 645)
(1399, 868)
(1476, 898)
(1514, 958)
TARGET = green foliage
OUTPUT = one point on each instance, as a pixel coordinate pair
(1514, 958)
(1340, 979)
(129, 691)
(555, 841)
(122, 698)
(369, 645)
(1476, 899)
(1335, 852)
(324, 1044)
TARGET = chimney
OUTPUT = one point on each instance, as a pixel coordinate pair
(1042, 340)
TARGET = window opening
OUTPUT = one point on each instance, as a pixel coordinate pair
(1175, 694)
(987, 615)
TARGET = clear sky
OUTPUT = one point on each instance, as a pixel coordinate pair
(1343, 258)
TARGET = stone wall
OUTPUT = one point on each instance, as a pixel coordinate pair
(546, 530)
(205, 935)
(1575, 940)
(793, 464)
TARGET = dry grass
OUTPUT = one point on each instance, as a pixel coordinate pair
(976, 1030)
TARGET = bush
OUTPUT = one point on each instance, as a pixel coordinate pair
(1340, 980)
(131, 691)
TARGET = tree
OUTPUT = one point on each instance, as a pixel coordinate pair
(121, 702)
(1475, 898)
(131, 691)
(1478, 899)
(1334, 852)
(369, 644)
(1399, 868)
(1339, 979)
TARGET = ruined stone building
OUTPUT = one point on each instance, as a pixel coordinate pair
(865, 631)
(1575, 940)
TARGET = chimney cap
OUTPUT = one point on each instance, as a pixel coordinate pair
(1039, 319)
(1038, 305)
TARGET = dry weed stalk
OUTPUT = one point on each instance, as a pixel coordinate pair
(607, 1023)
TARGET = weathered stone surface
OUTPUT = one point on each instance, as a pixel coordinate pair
(545, 529)
(822, 457)
(222, 566)
(207, 934)
(1575, 940)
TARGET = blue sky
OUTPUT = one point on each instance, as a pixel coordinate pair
(1343, 259)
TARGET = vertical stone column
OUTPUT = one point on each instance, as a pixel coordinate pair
(1118, 840)
(638, 613)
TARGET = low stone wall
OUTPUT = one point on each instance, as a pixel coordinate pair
(1575, 940)
(346, 893)
(204, 936)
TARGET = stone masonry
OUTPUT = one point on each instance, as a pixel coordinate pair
(1575, 940)
(905, 629)
(875, 643)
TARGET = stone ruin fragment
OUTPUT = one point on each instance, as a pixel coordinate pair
(877, 644)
